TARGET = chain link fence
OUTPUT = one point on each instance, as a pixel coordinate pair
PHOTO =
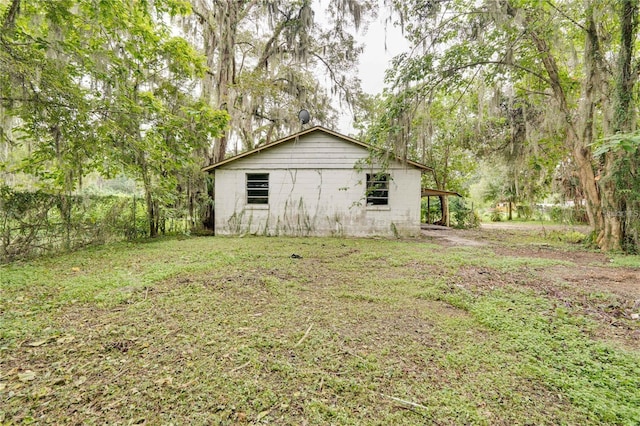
(38, 223)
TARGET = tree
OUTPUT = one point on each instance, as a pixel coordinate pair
(263, 58)
(104, 87)
(151, 125)
(431, 138)
(544, 51)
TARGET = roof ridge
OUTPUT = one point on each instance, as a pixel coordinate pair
(305, 132)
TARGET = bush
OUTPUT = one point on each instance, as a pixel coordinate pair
(462, 217)
(556, 214)
(571, 237)
(568, 215)
(524, 212)
(496, 216)
(434, 214)
(35, 223)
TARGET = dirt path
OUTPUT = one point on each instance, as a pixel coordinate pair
(494, 232)
(456, 237)
(586, 280)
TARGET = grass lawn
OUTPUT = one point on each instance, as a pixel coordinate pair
(350, 331)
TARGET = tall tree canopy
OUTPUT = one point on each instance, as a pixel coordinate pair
(557, 71)
(115, 87)
(267, 59)
(101, 87)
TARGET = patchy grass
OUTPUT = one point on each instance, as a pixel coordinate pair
(356, 331)
(626, 261)
(519, 233)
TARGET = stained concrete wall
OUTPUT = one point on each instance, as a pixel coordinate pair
(316, 188)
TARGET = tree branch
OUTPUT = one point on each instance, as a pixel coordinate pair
(564, 15)
(500, 62)
(12, 14)
(331, 73)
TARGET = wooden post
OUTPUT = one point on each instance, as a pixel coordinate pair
(428, 209)
(445, 210)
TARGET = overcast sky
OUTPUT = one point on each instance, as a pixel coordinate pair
(375, 58)
(381, 43)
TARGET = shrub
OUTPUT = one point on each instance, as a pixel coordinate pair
(462, 216)
(525, 212)
(35, 223)
(571, 237)
(570, 215)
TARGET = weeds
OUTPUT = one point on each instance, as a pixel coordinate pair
(355, 331)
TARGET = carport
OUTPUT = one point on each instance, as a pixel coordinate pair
(429, 192)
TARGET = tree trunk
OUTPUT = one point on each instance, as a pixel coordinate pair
(579, 135)
(220, 26)
(151, 213)
(612, 235)
(226, 67)
(11, 14)
(444, 209)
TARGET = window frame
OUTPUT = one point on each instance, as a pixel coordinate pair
(255, 195)
(376, 184)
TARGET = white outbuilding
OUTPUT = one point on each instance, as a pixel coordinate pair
(317, 183)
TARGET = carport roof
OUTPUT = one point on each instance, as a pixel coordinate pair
(428, 192)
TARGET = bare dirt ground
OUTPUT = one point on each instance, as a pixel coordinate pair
(586, 280)
(456, 237)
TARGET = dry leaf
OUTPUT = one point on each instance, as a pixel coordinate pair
(65, 339)
(80, 380)
(165, 381)
(26, 376)
(38, 343)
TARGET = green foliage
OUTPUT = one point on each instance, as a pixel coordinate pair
(569, 215)
(557, 353)
(103, 86)
(267, 60)
(524, 212)
(36, 223)
(463, 217)
(626, 142)
(39, 223)
(571, 237)
(624, 149)
(496, 216)
(528, 97)
(430, 211)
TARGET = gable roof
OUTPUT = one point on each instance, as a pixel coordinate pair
(306, 132)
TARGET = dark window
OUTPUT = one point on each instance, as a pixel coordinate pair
(377, 189)
(257, 188)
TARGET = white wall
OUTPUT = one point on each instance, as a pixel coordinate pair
(314, 189)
